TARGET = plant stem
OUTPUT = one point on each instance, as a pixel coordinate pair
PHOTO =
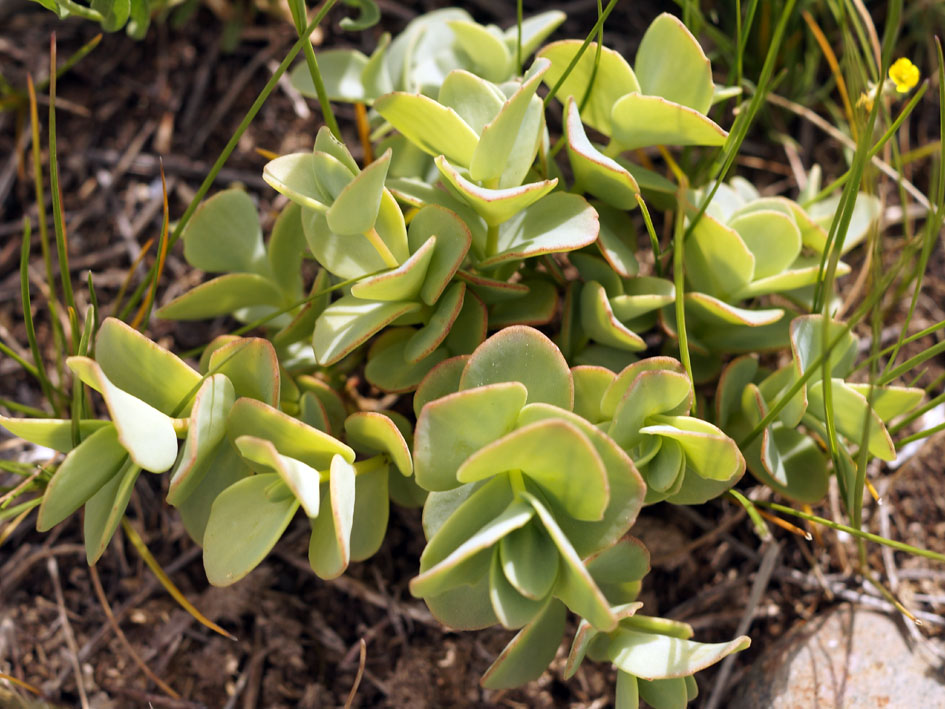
(378, 243)
(900, 546)
(492, 240)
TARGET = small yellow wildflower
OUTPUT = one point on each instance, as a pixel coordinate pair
(905, 75)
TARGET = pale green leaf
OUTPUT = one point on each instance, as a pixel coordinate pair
(453, 427)
(670, 63)
(224, 235)
(245, 524)
(83, 472)
(614, 78)
(639, 121)
(146, 433)
(522, 354)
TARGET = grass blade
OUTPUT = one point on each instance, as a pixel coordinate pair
(165, 580)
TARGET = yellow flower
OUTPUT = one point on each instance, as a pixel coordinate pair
(905, 75)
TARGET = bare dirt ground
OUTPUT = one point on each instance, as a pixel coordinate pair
(178, 95)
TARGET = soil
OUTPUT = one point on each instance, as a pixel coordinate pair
(178, 95)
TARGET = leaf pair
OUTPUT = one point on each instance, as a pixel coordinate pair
(783, 457)
(224, 236)
(484, 138)
(661, 101)
(645, 410)
(523, 489)
(351, 222)
(145, 388)
(654, 657)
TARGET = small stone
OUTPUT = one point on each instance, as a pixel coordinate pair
(847, 658)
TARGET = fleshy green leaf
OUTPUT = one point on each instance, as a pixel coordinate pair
(401, 283)
(294, 176)
(537, 307)
(639, 121)
(651, 656)
(491, 57)
(443, 379)
(51, 433)
(430, 336)
(558, 222)
(453, 240)
(354, 211)
(341, 70)
(432, 127)
(222, 469)
(493, 205)
(529, 561)
(224, 235)
(709, 452)
(222, 296)
(849, 411)
(590, 383)
(530, 652)
(375, 432)
(104, 510)
(522, 354)
(329, 549)
(144, 369)
(717, 260)
(371, 510)
(388, 367)
(594, 172)
(349, 322)
(205, 431)
(670, 63)
(574, 586)
(624, 482)
(511, 608)
(246, 521)
(601, 324)
(251, 365)
(290, 436)
(465, 564)
(454, 427)
(614, 78)
(302, 480)
(147, 434)
(556, 456)
(667, 693)
(499, 136)
(83, 472)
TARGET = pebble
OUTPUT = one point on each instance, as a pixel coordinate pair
(847, 658)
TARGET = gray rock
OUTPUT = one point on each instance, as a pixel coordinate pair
(848, 658)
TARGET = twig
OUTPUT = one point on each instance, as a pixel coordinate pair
(801, 579)
(120, 634)
(151, 585)
(14, 570)
(357, 678)
(146, 699)
(53, 566)
(236, 87)
(758, 589)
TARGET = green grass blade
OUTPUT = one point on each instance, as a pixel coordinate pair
(58, 218)
(744, 119)
(858, 533)
(41, 375)
(297, 8)
(580, 53)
